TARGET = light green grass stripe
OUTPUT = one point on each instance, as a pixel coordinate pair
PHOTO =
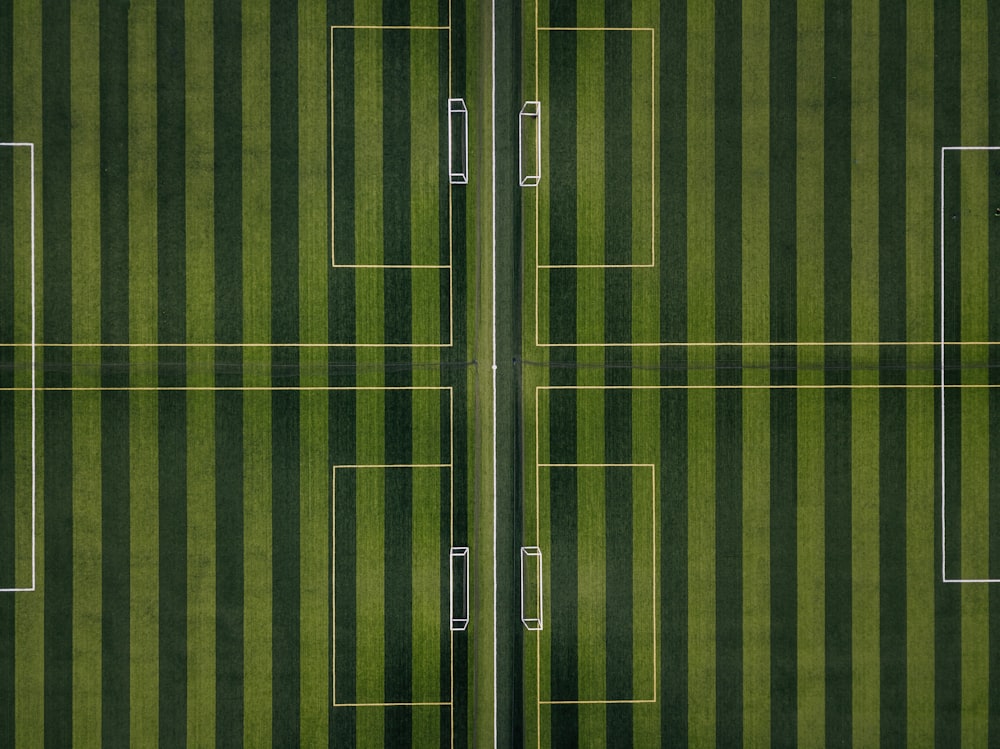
(701, 173)
(645, 283)
(811, 568)
(975, 542)
(645, 439)
(591, 551)
(257, 405)
(314, 523)
(142, 193)
(921, 240)
(756, 173)
(201, 568)
(370, 597)
(921, 453)
(809, 181)
(864, 179)
(921, 568)
(427, 170)
(368, 167)
(256, 172)
(144, 533)
(865, 654)
(756, 567)
(29, 611)
(200, 319)
(975, 506)
(199, 171)
(86, 269)
(86, 567)
(590, 135)
(314, 183)
(257, 565)
(370, 556)
(431, 495)
(428, 167)
(429, 560)
(701, 568)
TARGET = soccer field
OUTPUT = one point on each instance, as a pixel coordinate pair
(530, 373)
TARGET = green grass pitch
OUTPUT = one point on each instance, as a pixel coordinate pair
(711, 401)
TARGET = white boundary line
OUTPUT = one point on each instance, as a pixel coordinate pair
(944, 553)
(34, 459)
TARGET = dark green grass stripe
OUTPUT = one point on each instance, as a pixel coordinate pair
(285, 665)
(892, 178)
(398, 602)
(728, 412)
(398, 589)
(341, 293)
(284, 173)
(947, 598)
(58, 568)
(227, 38)
(170, 161)
(837, 521)
(172, 439)
(728, 170)
(784, 567)
(8, 499)
(892, 565)
(782, 222)
(672, 572)
(228, 182)
(994, 555)
(343, 451)
(57, 441)
(229, 568)
(114, 171)
(562, 86)
(448, 254)
(6, 183)
(115, 561)
(782, 227)
(618, 530)
(343, 145)
(993, 24)
(892, 403)
(286, 669)
(837, 327)
(345, 568)
(564, 664)
(563, 522)
(729, 565)
(115, 497)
